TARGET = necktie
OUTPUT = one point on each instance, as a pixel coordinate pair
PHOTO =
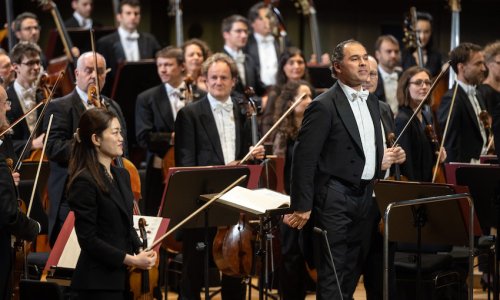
(227, 106)
(361, 95)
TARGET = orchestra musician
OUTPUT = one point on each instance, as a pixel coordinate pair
(337, 155)
(23, 94)
(82, 15)
(413, 86)
(155, 113)
(388, 57)
(211, 131)
(101, 197)
(490, 87)
(195, 52)
(432, 59)
(7, 74)
(235, 34)
(27, 29)
(126, 43)
(12, 220)
(466, 137)
(67, 111)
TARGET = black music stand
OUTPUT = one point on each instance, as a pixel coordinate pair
(183, 188)
(423, 224)
(131, 79)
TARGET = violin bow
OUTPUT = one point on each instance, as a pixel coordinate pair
(39, 166)
(445, 68)
(38, 122)
(452, 105)
(298, 99)
(94, 53)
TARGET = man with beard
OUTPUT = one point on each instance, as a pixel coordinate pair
(387, 54)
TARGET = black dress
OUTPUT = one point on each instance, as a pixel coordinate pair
(434, 61)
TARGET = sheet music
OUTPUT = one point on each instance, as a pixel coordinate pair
(153, 225)
(254, 201)
(71, 252)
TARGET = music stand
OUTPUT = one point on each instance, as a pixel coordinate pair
(183, 187)
(131, 79)
(423, 223)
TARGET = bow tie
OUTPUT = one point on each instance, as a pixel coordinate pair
(361, 95)
(471, 91)
(239, 58)
(175, 93)
(134, 36)
(393, 76)
(227, 106)
(267, 39)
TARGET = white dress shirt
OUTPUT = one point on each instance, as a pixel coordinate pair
(27, 100)
(365, 127)
(130, 44)
(174, 95)
(239, 59)
(390, 88)
(268, 58)
(85, 23)
(226, 126)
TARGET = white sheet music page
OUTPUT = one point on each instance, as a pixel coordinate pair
(254, 201)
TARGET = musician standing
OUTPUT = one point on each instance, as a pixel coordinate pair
(27, 29)
(155, 113)
(337, 155)
(388, 57)
(12, 220)
(22, 94)
(466, 137)
(101, 197)
(82, 14)
(211, 131)
(67, 111)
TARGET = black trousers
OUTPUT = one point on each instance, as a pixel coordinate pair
(342, 211)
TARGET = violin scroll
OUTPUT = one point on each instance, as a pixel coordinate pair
(93, 96)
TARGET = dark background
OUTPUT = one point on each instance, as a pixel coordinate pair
(338, 20)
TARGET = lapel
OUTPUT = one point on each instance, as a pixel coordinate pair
(372, 103)
(468, 107)
(238, 125)
(118, 48)
(124, 190)
(162, 104)
(346, 115)
(141, 43)
(208, 122)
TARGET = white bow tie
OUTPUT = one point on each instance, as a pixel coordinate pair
(134, 36)
(239, 58)
(267, 39)
(392, 76)
(361, 95)
(227, 106)
(471, 91)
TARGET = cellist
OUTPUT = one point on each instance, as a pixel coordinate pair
(12, 220)
(67, 111)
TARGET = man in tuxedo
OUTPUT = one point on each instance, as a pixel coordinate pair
(7, 74)
(235, 34)
(67, 111)
(82, 14)
(211, 131)
(12, 220)
(337, 154)
(388, 56)
(155, 113)
(22, 94)
(261, 45)
(466, 137)
(126, 44)
(27, 29)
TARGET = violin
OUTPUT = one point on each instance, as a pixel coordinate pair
(486, 120)
(391, 138)
(143, 283)
(438, 168)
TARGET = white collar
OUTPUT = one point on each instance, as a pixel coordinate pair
(83, 95)
(348, 91)
(124, 34)
(170, 88)
(467, 87)
(81, 19)
(213, 102)
(259, 37)
(233, 53)
(384, 73)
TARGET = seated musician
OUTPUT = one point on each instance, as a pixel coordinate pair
(101, 197)
(156, 110)
(27, 29)
(413, 85)
(13, 222)
(211, 131)
(126, 44)
(67, 111)
(82, 14)
(23, 94)
(7, 74)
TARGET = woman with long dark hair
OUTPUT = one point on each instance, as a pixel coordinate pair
(101, 198)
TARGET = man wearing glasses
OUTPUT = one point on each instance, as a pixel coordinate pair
(27, 29)
(7, 74)
(25, 58)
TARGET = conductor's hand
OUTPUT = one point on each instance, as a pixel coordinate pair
(144, 260)
(298, 219)
(258, 152)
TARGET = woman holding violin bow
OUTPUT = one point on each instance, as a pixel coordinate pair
(101, 197)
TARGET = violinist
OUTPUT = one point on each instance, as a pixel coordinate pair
(155, 113)
(101, 197)
(235, 34)
(12, 220)
(67, 111)
(195, 52)
(466, 138)
(413, 86)
(7, 74)
(211, 131)
(23, 94)
(27, 29)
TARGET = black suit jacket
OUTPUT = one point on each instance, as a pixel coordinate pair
(495, 116)
(329, 146)
(21, 131)
(197, 141)
(380, 91)
(387, 117)
(252, 77)
(434, 61)
(252, 49)
(72, 22)
(111, 48)
(67, 112)
(463, 139)
(104, 227)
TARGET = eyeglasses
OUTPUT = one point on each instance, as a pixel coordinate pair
(8, 102)
(373, 75)
(31, 63)
(31, 28)
(421, 82)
